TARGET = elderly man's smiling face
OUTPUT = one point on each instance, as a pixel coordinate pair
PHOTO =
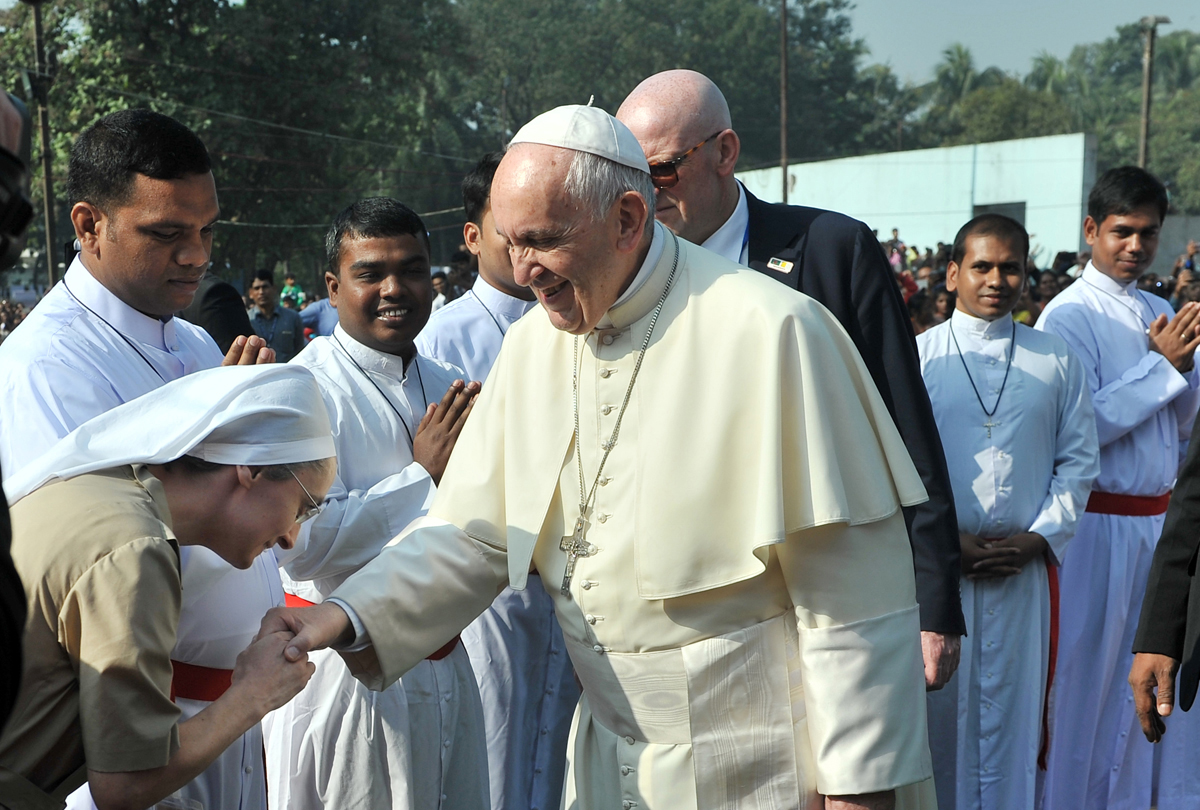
(576, 265)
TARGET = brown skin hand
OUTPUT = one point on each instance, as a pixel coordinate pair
(994, 559)
(1152, 672)
(440, 427)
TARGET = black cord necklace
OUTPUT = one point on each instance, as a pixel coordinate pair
(119, 333)
(386, 399)
(489, 312)
(1012, 352)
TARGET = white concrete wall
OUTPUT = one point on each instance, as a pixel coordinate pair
(930, 193)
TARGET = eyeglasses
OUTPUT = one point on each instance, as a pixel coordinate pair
(312, 511)
(665, 173)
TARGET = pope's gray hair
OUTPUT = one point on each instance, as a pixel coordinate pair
(596, 183)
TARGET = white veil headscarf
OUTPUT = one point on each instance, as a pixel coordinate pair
(252, 415)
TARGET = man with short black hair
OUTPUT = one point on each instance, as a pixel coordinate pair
(279, 326)
(418, 745)
(1139, 358)
(517, 651)
(143, 205)
(1014, 409)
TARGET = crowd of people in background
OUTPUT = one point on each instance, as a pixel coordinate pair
(921, 277)
(11, 315)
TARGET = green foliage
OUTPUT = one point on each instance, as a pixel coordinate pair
(307, 105)
(1010, 110)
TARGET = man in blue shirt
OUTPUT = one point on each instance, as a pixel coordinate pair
(278, 326)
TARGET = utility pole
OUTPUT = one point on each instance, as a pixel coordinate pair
(1150, 30)
(783, 92)
(40, 90)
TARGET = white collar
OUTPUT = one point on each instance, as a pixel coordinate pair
(1092, 275)
(968, 325)
(390, 365)
(92, 295)
(498, 302)
(643, 273)
(730, 239)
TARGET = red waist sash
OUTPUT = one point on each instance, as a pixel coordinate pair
(291, 600)
(194, 682)
(1109, 503)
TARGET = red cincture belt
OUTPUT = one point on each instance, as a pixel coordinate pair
(194, 682)
(1108, 503)
(291, 600)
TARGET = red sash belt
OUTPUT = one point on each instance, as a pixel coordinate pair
(194, 682)
(1108, 503)
(291, 600)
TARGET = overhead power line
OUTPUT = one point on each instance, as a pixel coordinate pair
(326, 224)
(285, 127)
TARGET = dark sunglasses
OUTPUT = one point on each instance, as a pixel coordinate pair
(665, 173)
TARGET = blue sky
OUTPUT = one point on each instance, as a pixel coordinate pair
(911, 34)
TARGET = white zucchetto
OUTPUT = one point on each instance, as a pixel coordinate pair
(585, 129)
(251, 415)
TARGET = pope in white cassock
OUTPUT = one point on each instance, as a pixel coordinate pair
(1015, 415)
(1138, 356)
(526, 682)
(697, 463)
(418, 743)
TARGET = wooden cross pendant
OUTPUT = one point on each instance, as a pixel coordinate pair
(576, 547)
(989, 424)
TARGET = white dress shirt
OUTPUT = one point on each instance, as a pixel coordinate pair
(732, 240)
(468, 331)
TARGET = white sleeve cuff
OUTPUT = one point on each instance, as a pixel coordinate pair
(864, 690)
(361, 639)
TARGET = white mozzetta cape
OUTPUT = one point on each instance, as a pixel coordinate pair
(749, 396)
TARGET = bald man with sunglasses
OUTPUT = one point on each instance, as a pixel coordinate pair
(682, 121)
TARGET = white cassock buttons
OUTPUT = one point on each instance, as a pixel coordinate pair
(606, 373)
(607, 340)
(630, 740)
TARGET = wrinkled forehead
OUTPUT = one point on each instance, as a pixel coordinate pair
(529, 189)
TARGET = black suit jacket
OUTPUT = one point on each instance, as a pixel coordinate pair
(1170, 622)
(219, 310)
(838, 261)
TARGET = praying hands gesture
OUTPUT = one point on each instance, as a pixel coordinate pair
(1178, 339)
(439, 428)
(992, 559)
(248, 351)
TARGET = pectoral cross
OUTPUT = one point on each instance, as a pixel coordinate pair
(576, 547)
(989, 424)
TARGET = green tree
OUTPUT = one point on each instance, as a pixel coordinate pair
(1010, 110)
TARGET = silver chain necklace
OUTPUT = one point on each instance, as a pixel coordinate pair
(575, 545)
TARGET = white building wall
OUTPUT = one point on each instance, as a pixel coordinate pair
(930, 193)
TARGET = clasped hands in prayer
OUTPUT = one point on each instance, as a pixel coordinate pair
(994, 559)
(1178, 338)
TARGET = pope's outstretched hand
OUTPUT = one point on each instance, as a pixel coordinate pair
(311, 628)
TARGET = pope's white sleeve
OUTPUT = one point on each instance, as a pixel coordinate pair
(355, 525)
(427, 585)
(860, 654)
(1076, 463)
